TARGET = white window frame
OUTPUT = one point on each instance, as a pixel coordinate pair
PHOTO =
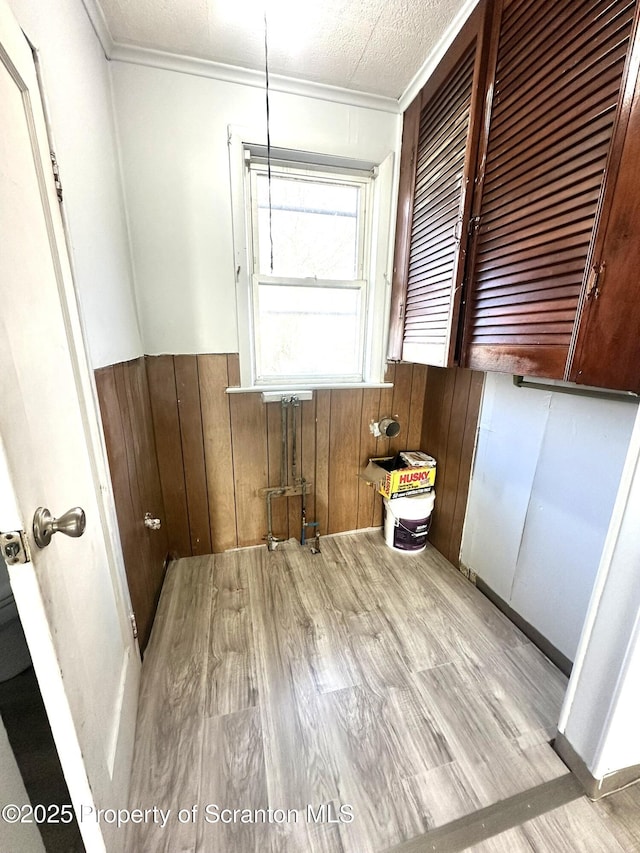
(374, 257)
(359, 283)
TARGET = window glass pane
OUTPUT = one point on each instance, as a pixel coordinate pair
(307, 331)
(314, 227)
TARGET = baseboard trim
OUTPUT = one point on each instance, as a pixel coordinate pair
(555, 655)
(594, 788)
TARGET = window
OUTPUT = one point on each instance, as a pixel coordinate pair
(309, 275)
(308, 256)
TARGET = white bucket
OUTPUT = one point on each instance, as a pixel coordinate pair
(407, 521)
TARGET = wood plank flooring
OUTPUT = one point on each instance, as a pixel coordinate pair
(359, 682)
(621, 814)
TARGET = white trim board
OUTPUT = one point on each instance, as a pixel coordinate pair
(249, 77)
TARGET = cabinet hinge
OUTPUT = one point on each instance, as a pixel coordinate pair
(56, 175)
(474, 224)
(593, 281)
(134, 626)
(401, 308)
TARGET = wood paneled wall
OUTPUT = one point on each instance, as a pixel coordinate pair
(184, 450)
(216, 450)
(451, 410)
(123, 395)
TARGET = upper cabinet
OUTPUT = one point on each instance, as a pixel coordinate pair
(543, 280)
(607, 350)
(437, 168)
(555, 75)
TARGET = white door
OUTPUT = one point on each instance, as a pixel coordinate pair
(71, 597)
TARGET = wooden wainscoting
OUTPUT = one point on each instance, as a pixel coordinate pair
(184, 450)
(216, 450)
(123, 395)
(451, 409)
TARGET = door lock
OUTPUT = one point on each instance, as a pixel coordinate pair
(151, 523)
(14, 548)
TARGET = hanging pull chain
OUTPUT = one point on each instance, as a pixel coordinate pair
(266, 74)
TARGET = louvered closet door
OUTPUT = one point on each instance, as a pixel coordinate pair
(434, 271)
(607, 351)
(557, 78)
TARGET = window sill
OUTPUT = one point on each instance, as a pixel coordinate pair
(308, 386)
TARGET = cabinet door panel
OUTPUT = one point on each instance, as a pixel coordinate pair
(437, 168)
(539, 53)
(558, 71)
(607, 350)
(435, 230)
(544, 166)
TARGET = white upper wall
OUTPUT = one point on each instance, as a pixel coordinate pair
(172, 128)
(78, 98)
(545, 479)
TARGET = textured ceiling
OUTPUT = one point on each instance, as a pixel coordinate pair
(374, 46)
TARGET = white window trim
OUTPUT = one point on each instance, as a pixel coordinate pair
(380, 261)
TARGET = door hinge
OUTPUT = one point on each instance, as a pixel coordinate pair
(56, 175)
(474, 224)
(134, 626)
(15, 547)
(594, 280)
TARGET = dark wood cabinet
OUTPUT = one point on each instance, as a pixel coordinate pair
(607, 351)
(553, 84)
(437, 168)
(551, 233)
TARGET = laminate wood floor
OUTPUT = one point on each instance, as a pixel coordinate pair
(358, 683)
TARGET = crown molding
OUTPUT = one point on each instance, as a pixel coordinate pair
(248, 77)
(118, 52)
(99, 24)
(437, 54)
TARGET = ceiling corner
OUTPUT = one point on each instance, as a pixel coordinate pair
(100, 26)
(436, 55)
